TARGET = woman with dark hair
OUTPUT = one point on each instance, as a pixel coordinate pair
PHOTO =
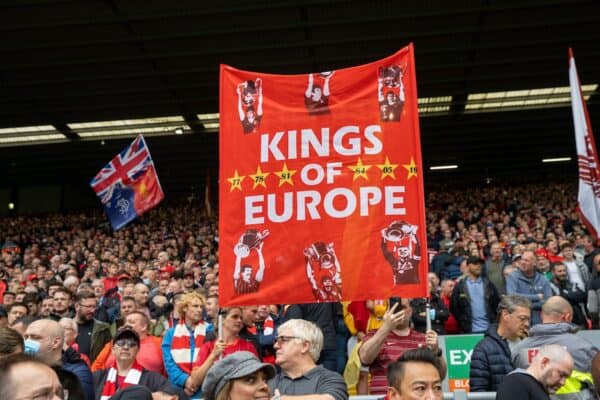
(239, 376)
(228, 342)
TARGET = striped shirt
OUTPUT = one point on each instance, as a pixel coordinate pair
(392, 348)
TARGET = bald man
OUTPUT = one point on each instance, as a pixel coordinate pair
(26, 377)
(556, 328)
(548, 372)
(141, 298)
(45, 339)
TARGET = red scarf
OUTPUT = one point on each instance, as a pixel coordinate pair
(132, 378)
(181, 350)
(268, 329)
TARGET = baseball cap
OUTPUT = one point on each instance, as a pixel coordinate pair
(233, 366)
(127, 332)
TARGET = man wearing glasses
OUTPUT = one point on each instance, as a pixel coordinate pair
(297, 348)
(93, 334)
(491, 358)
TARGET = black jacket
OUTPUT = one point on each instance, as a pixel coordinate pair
(324, 315)
(70, 383)
(150, 379)
(490, 362)
(460, 303)
(419, 317)
(72, 362)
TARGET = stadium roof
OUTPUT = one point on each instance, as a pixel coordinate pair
(492, 75)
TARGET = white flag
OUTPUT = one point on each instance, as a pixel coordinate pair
(589, 174)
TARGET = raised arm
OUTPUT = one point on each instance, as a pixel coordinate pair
(380, 96)
(371, 347)
(238, 262)
(326, 85)
(240, 108)
(260, 98)
(261, 264)
(309, 88)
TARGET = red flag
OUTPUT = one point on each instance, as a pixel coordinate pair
(589, 174)
(321, 194)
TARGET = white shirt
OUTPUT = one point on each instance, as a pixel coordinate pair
(575, 274)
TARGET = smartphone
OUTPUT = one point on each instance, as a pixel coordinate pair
(394, 300)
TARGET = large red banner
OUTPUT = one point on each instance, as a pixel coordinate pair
(321, 189)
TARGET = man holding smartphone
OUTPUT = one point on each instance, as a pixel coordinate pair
(385, 345)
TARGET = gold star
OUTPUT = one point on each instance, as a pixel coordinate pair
(236, 181)
(260, 178)
(387, 169)
(285, 175)
(360, 170)
(411, 168)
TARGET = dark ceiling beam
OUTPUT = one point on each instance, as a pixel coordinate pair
(306, 43)
(265, 6)
(203, 10)
(65, 130)
(304, 25)
(564, 40)
(194, 123)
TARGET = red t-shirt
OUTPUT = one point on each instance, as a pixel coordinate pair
(239, 345)
(451, 324)
(392, 348)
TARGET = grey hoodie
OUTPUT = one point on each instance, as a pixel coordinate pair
(561, 333)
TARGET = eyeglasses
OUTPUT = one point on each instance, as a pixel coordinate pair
(285, 339)
(126, 342)
(87, 305)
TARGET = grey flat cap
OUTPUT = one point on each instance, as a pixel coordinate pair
(233, 366)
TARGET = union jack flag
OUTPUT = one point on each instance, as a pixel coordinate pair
(128, 186)
(124, 167)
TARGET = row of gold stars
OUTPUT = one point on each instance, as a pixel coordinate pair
(285, 175)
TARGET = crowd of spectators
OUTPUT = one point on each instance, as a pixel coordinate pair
(141, 303)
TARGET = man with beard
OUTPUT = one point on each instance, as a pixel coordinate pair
(562, 286)
(93, 334)
(474, 299)
(62, 304)
(47, 307)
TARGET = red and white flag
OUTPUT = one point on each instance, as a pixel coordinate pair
(589, 174)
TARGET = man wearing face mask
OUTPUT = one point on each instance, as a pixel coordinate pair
(44, 339)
